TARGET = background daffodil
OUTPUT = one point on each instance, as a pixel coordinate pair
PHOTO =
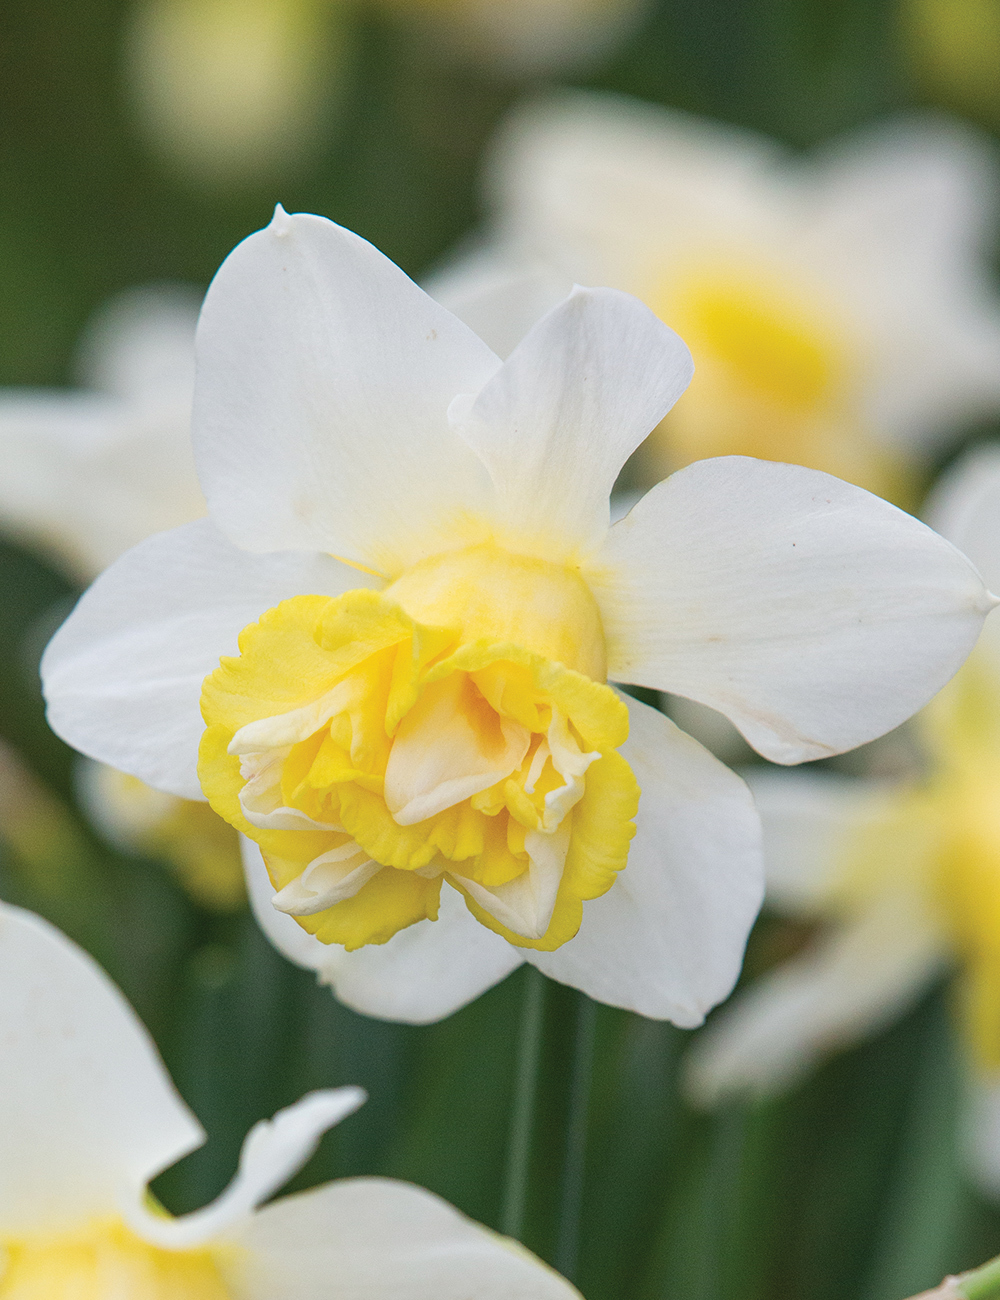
(902, 877)
(409, 547)
(837, 306)
(89, 473)
(91, 1116)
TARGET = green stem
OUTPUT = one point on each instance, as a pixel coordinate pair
(571, 1200)
(522, 1116)
(981, 1283)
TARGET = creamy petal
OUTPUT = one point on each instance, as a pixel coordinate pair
(328, 879)
(421, 975)
(570, 405)
(814, 615)
(812, 821)
(325, 377)
(273, 1151)
(376, 1239)
(842, 988)
(89, 1112)
(123, 674)
(667, 939)
(526, 903)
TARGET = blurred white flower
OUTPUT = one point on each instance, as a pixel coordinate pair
(902, 877)
(425, 722)
(87, 475)
(91, 1117)
(838, 306)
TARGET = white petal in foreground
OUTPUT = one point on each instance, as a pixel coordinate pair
(320, 414)
(811, 613)
(570, 405)
(273, 1151)
(835, 993)
(373, 1239)
(667, 939)
(123, 675)
(89, 1112)
(421, 975)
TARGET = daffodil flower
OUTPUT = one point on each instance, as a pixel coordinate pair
(89, 473)
(902, 877)
(401, 619)
(91, 1116)
(837, 306)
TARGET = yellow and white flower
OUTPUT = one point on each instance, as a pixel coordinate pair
(410, 579)
(88, 474)
(902, 876)
(91, 1116)
(837, 307)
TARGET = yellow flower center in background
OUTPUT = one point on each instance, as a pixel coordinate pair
(103, 1261)
(775, 377)
(454, 727)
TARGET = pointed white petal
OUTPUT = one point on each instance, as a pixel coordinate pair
(273, 1151)
(812, 821)
(814, 615)
(569, 406)
(844, 987)
(123, 674)
(667, 939)
(421, 975)
(381, 1240)
(89, 1112)
(324, 380)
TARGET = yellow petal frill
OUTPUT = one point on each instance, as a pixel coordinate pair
(375, 744)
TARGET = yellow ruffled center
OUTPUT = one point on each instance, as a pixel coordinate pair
(105, 1260)
(775, 377)
(454, 728)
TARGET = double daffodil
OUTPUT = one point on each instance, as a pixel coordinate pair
(90, 1116)
(401, 618)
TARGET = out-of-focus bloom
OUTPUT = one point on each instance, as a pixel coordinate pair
(91, 1116)
(87, 475)
(424, 722)
(903, 876)
(953, 49)
(837, 307)
(229, 90)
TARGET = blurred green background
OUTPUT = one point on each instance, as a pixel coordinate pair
(850, 1187)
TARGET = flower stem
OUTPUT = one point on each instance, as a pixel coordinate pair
(522, 1116)
(571, 1199)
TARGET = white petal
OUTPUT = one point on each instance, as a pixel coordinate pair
(324, 380)
(569, 406)
(667, 939)
(811, 822)
(123, 675)
(444, 752)
(964, 506)
(89, 1112)
(499, 298)
(328, 879)
(841, 989)
(273, 1151)
(526, 903)
(421, 975)
(814, 615)
(376, 1239)
(982, 1133)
